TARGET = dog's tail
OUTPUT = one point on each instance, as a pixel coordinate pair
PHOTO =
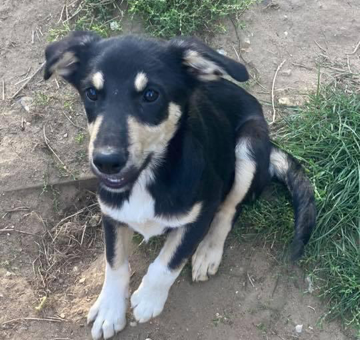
(288, 170)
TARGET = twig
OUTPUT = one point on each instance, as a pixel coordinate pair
(275, 286)
(273, 90)
(321, 48)
(77, 11)
(28, 81)
(15, 210)
(250, 279)
(70, 216)
(31, 319)
(348, 63)
(54, 153)
(355, 49)
(61, 14)
(57, 83)
(66, 11)
(22, 80)
(303, 66)
(18, 231)
(3, 89)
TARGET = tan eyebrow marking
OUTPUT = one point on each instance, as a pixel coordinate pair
(98, 80)
(141, 81)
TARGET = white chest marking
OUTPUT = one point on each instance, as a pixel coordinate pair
(139, 213)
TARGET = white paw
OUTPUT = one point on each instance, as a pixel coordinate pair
(206, 260)
(109, 316)
(109, 311)
(148, 302)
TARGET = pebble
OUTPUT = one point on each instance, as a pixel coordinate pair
(285, 101)
(26, 103)
(286, 72)
(298, 328)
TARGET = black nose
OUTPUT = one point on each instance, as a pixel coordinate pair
(109, 163)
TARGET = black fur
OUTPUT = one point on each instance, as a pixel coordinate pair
(199, 161)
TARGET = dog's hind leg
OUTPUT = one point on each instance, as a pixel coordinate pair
(251, 174)
(109, 310)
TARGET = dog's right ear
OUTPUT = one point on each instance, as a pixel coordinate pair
(66, 56)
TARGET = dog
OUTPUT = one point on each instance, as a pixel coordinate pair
(178, 146)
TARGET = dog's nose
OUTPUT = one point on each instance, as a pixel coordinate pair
(109, 163)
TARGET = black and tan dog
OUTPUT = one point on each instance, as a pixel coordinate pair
(177, 148)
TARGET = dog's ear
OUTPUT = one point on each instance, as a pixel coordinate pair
(66, 56)
(205, 63)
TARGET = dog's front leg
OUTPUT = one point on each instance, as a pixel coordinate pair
(109, 310)
(149, 299)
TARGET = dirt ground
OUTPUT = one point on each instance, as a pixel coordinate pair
(254, 296)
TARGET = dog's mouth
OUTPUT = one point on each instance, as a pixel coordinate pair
(119, 181)
(122, 181)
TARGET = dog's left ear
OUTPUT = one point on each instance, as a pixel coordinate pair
(66, 56)
(205, 63)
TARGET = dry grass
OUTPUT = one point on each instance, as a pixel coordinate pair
(73, 240)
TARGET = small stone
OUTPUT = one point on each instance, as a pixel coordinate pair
(286, 34)
(310, 284)
(148, 339)
(133, 323)
(245, 43)
(62, 316)
(285, 101)
(82, 280)
(65, 135)
(75, 269)
(286, 72)
(95, 220)
(114, 26)
(26, 103)
(298, 328)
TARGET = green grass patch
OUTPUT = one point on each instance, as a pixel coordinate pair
(168, 18)
(100, 16)
(325, 136)
(162, 18)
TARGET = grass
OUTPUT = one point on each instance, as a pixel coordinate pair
(102, 17)
(162, 18)
(168, 18)
(325, 136)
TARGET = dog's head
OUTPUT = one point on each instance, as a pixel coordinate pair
(134, 91)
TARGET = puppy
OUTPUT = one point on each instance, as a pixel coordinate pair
(177, 147)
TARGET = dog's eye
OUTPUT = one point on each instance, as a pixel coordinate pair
(151, 95)
(92, 93)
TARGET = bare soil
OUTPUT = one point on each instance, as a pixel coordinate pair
(254, 296)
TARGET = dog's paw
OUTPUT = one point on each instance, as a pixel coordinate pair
(109, 316)
(148, 302)
(206, 260)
